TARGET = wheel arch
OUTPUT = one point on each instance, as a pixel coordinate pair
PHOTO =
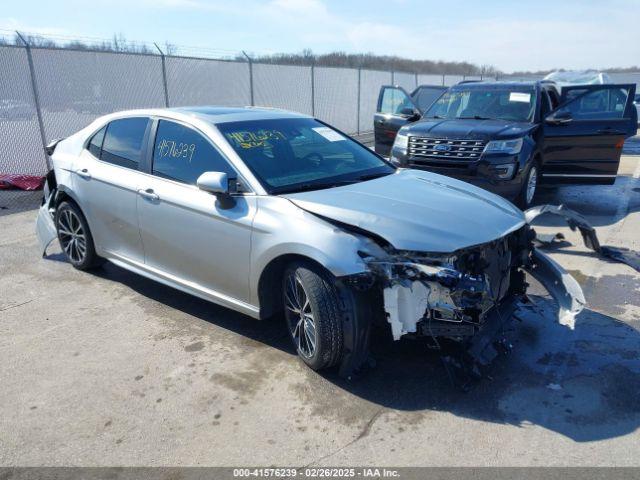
(269, 286)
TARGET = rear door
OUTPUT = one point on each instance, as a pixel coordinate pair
(583, 137)
(106, 181)
(395, 109)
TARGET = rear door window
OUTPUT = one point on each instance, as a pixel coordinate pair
(182, 154)
(123, 142)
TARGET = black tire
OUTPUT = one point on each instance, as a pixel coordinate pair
(524, 199)
(75, 237)
(319, 287)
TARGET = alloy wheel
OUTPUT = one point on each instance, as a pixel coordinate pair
(532, 183)
(300, 318)
(72, 236)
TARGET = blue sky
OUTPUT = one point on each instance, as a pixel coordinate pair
(511, 35)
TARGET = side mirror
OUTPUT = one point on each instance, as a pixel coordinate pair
(559, 118)
(217, 183)
(410, 112)
(214, 182)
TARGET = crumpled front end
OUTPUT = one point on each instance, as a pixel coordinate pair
(470, 293)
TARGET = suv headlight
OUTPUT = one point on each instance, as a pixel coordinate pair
(510, 147)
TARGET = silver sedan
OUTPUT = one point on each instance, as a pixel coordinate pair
(273, 213)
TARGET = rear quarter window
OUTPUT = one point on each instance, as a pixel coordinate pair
(123, 142)
(95, 144)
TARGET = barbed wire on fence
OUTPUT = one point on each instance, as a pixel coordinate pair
(51, 89)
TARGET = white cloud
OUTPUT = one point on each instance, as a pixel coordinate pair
(11, 25)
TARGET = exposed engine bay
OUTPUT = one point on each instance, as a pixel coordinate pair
(471, 295)
(451, 295)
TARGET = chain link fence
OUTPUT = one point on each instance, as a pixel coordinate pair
(51, 92)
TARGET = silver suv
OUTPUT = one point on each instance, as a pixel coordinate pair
(274, 213)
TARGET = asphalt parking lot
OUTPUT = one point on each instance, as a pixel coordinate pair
(108, 368)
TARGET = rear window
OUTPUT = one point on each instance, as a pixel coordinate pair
(123, 142)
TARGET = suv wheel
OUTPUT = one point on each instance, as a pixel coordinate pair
(529, 187)
(312, 313)
(75, 237)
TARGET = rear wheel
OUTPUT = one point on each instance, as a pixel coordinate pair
(312, 313)
(75, 237)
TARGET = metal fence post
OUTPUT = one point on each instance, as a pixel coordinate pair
(313, 89)
(416, 75)
(36, 98)
(393, 78)
(358, 110)
(164, 76)
(250, 76)
(443, 81)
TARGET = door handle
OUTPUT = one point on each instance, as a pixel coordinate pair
(149, 194)
(84, 173)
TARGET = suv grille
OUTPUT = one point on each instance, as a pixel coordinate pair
(443, 149)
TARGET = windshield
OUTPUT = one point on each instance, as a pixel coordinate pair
(501, 103)
(296, 154)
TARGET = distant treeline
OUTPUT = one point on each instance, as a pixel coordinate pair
(376, 62)
(607, 70)
(117, 44)
(336, 59)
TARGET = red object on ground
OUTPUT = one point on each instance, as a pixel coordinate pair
(20, 182)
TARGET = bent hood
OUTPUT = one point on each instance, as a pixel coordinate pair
(416, 210)
(469, 129)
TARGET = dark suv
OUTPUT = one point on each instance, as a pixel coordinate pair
(509, 136)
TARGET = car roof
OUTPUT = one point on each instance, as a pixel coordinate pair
(212, 114)
(501, 83)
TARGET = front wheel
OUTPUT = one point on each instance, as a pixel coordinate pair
(312, 313)
(529, 187)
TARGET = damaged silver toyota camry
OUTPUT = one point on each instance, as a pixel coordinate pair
(274, 213)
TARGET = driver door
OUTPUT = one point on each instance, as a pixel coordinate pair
(583, 137)
(190, 238)
(395, 109)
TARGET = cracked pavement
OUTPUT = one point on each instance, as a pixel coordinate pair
(108, 368)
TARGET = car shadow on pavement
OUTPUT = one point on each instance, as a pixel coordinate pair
(582, 383)
(271, 333)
